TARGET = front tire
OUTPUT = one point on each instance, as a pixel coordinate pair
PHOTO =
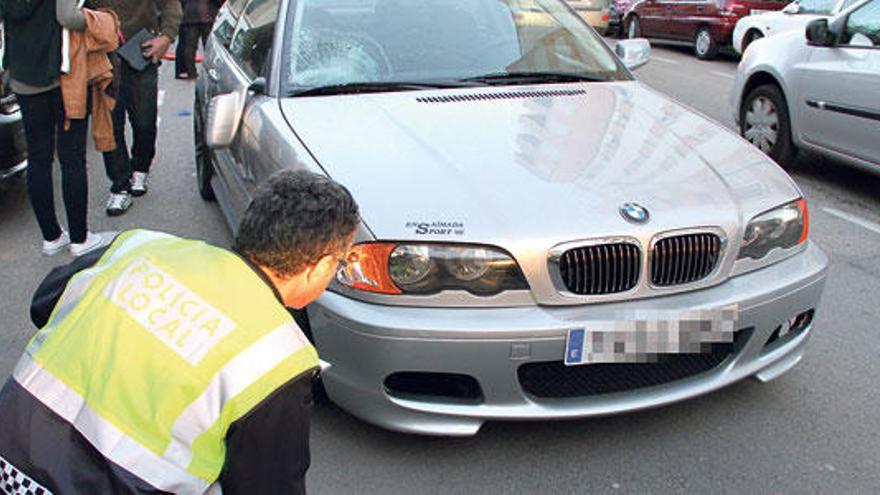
(764, 122)
(204, 167)
(705, 46)
(633, 27)
(750, 37)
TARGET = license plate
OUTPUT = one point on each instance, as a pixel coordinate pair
(758, 11)
(643, 339)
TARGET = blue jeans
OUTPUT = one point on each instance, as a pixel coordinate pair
(43, 117)
(138, 93)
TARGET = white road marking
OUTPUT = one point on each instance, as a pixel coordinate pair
(722, 74)
(666, 60)
(861, 222)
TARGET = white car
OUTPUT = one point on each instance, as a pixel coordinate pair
(815, 90)
(795, 16)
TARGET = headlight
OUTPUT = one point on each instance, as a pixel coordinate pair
(422, 269)
(783, 227)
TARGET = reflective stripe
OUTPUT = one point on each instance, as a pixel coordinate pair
(240, 372)
(107, 439)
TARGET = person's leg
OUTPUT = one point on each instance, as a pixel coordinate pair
(204, 32)
(143, 110)
(117, 163)
(190, 48)
(39, 127)
(74, 180)
(179, 53)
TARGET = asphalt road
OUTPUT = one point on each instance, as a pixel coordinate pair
(813, 430)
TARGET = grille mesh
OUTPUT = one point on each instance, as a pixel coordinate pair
(507, 95)
(684, 259)
(553, 379)
(602, 269)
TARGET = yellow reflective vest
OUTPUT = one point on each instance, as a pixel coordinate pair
(157, 349)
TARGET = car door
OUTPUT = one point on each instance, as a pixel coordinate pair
(839, 88)
(246, 60)
(651, 17)
(689, 15)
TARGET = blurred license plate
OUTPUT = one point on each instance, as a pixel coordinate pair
(758, 11)
(642, 340)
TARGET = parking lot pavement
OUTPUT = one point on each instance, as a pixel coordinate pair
(813, 430)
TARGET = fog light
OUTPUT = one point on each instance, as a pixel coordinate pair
(792, 327)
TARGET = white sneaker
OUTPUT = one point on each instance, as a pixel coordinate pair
(54, 247)
(138, 184)
(118, 203)
(94, 240)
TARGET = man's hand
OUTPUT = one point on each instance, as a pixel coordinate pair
(156, 47)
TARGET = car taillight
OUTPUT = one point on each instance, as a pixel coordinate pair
(734, 9)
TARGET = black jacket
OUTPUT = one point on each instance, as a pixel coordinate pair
(267, 450)
(33, 41)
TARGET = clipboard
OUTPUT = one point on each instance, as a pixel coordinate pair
(132, 51)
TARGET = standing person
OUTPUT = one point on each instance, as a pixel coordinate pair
(198, 17)
(150, 376)
(138, 95)
(33, 59)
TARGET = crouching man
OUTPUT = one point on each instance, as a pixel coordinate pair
(168, 365)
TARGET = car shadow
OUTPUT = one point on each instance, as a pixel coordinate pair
(853, 185)
(725, 54)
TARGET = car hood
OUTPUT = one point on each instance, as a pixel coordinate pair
(532, 166)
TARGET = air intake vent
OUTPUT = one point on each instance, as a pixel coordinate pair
(553, 379)
(602, 269)
(684, 259)
(507, 95)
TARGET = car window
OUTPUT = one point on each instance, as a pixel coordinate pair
(227, 17)
(816, 7)
(863, 26)
(252, 42)
(363, 41)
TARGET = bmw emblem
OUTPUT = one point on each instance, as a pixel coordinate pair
(634, 213)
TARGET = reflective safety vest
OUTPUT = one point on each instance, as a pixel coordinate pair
(152, 354)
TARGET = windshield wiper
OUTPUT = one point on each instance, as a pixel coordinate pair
(512, 78)
(376, 87)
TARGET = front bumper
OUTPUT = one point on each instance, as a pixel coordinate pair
(362, 344)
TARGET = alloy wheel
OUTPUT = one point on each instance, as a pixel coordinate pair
(762, 124)
(704, 42)
(633, 28)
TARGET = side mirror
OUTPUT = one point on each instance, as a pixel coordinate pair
(224, 115)
(820, 34)
(792, 8)
(633, 53)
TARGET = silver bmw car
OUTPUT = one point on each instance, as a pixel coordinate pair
(542, 237)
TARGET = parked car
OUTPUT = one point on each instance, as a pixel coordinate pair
(13, 151)
(794, 17)
(616, 13)
(816, 91)
(543, 237)
(707, 25)
(595, 12)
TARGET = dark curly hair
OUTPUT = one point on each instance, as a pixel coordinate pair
(295, 218)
